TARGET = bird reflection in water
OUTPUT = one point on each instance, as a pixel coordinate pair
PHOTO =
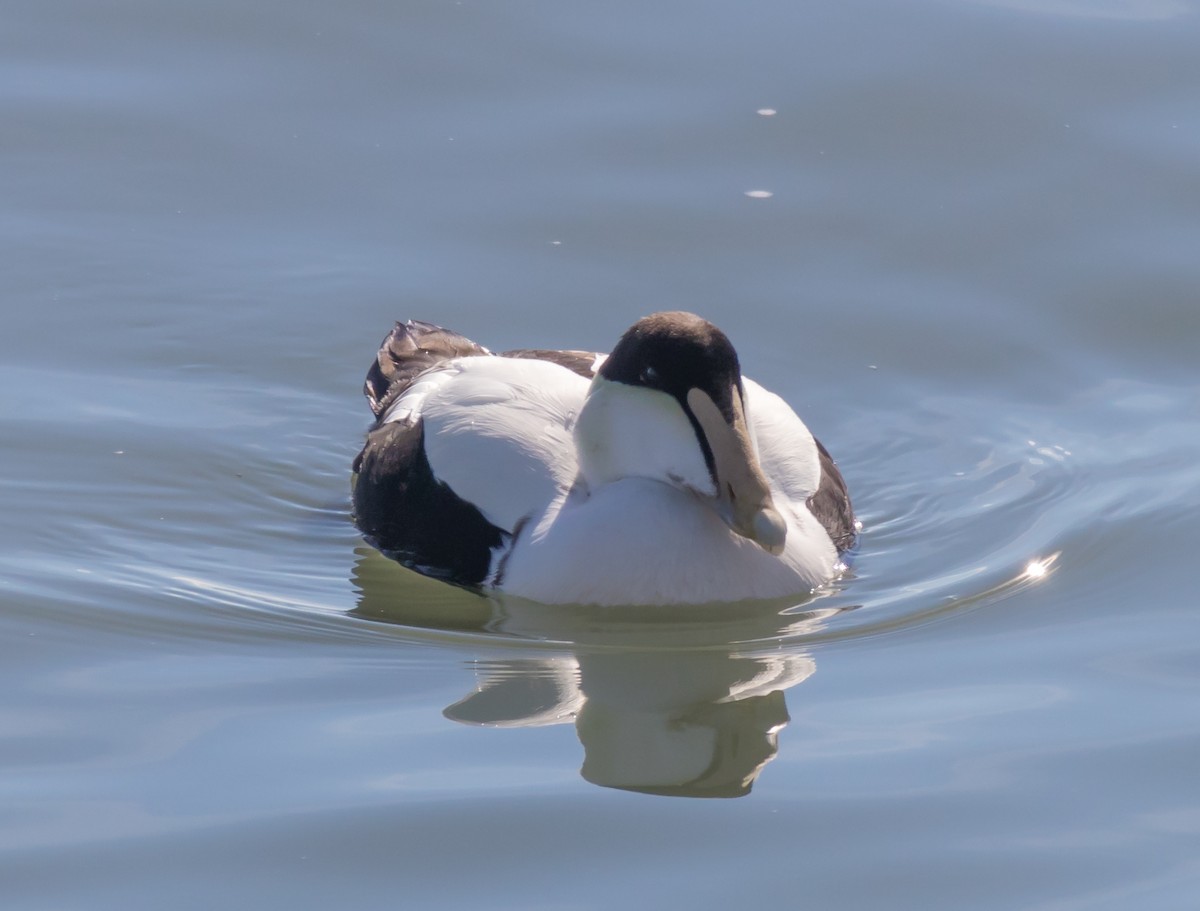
(693, 724)
(684, 702)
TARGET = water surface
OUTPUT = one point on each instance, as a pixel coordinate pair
(968, 261)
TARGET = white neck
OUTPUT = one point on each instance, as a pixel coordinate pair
(628, 431)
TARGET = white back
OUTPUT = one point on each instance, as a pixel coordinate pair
(498, 431)
(786, 450)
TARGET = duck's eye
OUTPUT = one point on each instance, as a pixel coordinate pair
(649, 376)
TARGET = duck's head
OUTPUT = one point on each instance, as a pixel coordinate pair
(669, 404)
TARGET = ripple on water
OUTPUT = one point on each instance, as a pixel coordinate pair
(938, 538)
(961, 511)
(957, 514)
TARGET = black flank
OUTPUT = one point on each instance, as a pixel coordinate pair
(831, 503)
(407, 513)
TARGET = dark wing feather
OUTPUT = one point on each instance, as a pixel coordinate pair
(831, 503)
(410, 515)
(579, 362)
(410, 349)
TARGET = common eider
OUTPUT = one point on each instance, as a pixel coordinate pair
(657, 474)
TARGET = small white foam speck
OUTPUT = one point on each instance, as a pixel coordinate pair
(759, 194)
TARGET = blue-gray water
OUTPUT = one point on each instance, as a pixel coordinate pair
(976, 277)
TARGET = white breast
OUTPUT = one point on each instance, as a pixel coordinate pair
(639, 541)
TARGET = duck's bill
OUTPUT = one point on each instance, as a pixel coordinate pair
(743, 496)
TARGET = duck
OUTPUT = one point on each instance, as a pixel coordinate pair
(655, 474)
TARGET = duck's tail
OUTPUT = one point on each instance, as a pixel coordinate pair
(409, 350)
